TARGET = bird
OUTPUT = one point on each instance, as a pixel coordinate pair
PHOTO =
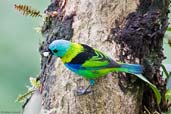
(89, 62)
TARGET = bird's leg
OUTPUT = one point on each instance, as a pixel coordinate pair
(86, 91)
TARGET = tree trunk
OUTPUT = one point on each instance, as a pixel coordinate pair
(111, 27)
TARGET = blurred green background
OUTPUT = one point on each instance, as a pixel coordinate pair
(19, 56)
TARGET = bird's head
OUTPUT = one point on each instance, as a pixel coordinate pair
(59, 47)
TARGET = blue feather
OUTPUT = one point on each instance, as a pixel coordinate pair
(133, 68)
(73, 67)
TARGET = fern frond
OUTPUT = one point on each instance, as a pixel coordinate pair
(27, 10)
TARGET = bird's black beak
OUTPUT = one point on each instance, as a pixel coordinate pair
(50, 52)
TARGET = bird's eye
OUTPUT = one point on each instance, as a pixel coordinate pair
(55, 51)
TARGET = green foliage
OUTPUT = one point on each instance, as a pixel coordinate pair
(34, 85)
(169, 29)
(153, 87)
(168, 92)
(169, 112)
(168, 86)
(168, 95)
(165, 71)
(18, 51)
(23, 97)
(168, 77)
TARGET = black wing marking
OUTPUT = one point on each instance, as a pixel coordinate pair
(103, 58)
(83, 56)
(93, 55)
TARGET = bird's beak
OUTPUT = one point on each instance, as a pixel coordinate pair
(47, 53)
(50, 52)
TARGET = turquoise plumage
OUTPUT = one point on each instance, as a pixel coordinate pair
(88, 62)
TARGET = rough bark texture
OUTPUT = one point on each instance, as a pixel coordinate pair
(112, 27)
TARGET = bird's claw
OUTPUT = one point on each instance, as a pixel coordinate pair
(81, 91)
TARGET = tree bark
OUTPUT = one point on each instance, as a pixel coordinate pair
(111, 27)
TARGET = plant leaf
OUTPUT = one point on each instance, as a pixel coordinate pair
(168, 94)
(34, 82)
(165, 71)
(169, 29)
(153, 87)
(23, 97)
(168, 85)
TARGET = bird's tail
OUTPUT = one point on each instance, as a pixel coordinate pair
(132, 68)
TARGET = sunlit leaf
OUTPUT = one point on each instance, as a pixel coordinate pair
(34, 82)
(169, 29)
(168, 95)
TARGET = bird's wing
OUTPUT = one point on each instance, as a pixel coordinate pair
(92, 59)
(99, 61)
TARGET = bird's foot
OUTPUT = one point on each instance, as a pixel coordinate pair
(81, 91)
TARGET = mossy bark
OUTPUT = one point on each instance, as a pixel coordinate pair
(113, 28)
